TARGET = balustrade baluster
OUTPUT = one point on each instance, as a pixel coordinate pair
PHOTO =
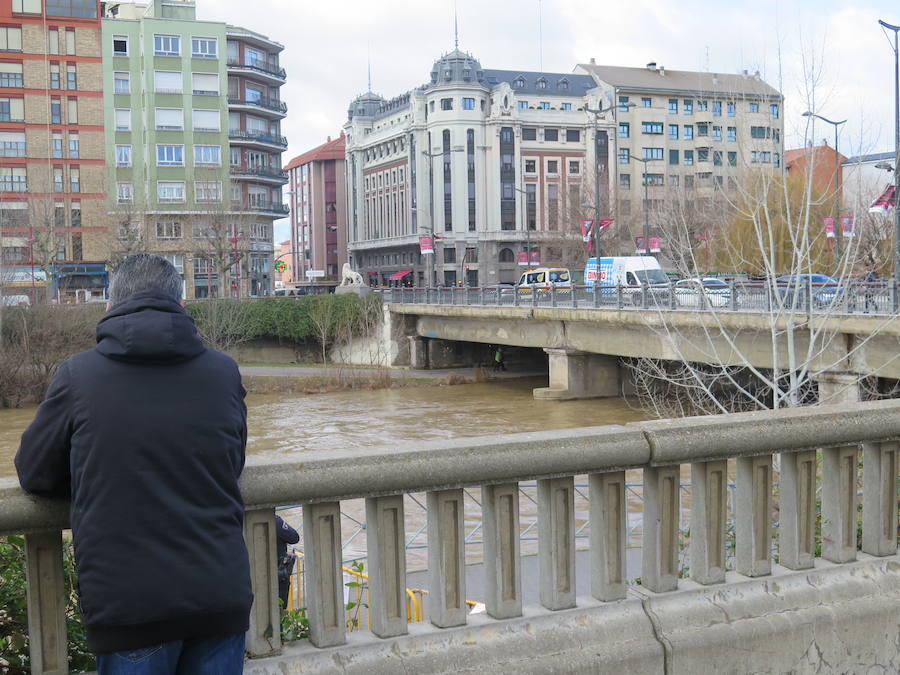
(502, 563)
(839, 503)
(797, 510)
(753, 516)
(387, 565)
(556, 542)
(880, 498)
(608, 511)
(446, 558)
(264, 635)
(709, 506)
(659, 557)
(324, 579)
(46, 593)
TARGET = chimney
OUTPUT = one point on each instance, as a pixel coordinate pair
(715, 78)
(328, 139)
(651, 65)
(662, 71)
(593, 61)
(744, 72)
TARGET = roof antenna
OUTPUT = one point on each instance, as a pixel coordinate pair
(541, 35)
(455, 28)
(369, 64)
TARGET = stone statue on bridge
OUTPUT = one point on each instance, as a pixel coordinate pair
(350, 277)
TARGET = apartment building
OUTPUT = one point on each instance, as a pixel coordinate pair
(52, 213)
(318, 214)
(193, 153)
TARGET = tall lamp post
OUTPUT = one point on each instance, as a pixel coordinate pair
(896, 29)
(838, 227)
(235, 264)
(597, 114)
(646, 205)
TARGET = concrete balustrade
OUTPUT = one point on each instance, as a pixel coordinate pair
(662, 623)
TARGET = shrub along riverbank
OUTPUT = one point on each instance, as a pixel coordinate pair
(34, 341)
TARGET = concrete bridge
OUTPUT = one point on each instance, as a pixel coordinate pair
(584, 343)
(795, 599)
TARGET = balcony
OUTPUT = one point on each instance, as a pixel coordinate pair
(257, 138)
(263, 104)
(271, 72)
(261, 174)
(276, 209)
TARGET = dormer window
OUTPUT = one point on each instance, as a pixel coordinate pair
(519, 83)
(448, 74)
(433, 76)
(563, 85)
(466, 73)
(542, 83)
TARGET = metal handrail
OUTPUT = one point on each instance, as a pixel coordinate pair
(263, 67)
(262, 102)
(272, 139)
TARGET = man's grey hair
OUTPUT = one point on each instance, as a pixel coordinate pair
(141, 273)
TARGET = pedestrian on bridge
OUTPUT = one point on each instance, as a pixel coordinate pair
(145, 434)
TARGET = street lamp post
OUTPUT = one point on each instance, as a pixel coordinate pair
(646, 204)
(597, 114)
(235, 262)
(838, 228)
(896, 29)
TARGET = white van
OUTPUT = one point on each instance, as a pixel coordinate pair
(637, 275)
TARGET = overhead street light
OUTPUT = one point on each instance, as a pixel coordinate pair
(896, 29)
(838, 227)
(597, 200)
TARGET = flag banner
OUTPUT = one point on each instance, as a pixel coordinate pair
(847, 225)
(535, 257)
(655, 243)
(425, 245)
(522, 258)
(587, 233)
(829, 227)
(606, 222)
(885, 201)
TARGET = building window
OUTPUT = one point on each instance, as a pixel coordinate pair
(687, 106)
(689, 182)
(82, 9)
(673, 132)
(624, 156)
(123, 155)
(169, 119)
(168, 230)
(622, 101)
(13, 110)
(776, 159)
(71, 78)
(522, 105)
(646, 103)
(12, 144)
(211, 120)
(529, 134)
(673, 106)
(530, 166)
(625, 181)
(673, 181)
(171, 191)
(732, 159)
(122, 83)
(449, 255)
(717, 133)
(123, 119)
(124, 193)
(11, 39)
(205, 84)
(717, 108)
(729, 108)
(54, 76)
(468, 103)
(74, 179)
(688, 160)
(732, 134)
(551, 134)
(26, 6)
(702, 155)
(552, 206)
(574, 167)
(470, 176)
(169, 155)
(758, 132)
(565, 106)
(207, 155)
(652, 179)
(544, 105)
(673, 157)
(507, 179)
(167, 81)
(552, 166)
(652, 153)
(57, 179)
(208, 191)
(506, 256)
(56, 146)
(120, 45)
(72, 111)
(446, 104)
(652, 127)
(702, 106)
(624, 129)
(13, 179)
(70, 41)
(531, 206)
(204, 48)
(55, 111)
(167, 45)
(754, 107)
(11, 75)
(573, 135)
(702, 129)
(773, 110)
(717, 158)
(448, 190)
(518, 83)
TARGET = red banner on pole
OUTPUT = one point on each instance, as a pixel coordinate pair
(425, 245)
(654, 242)
(829, 227)
(847, 225)
(587, 232)
(606, 222)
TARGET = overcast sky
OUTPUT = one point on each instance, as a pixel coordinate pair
(838, 45)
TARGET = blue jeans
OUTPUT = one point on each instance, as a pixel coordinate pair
(219, 655)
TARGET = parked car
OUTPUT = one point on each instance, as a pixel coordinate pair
(543, 278)
(821, 290)
(702, 292)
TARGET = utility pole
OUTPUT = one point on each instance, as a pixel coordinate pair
(896, 29)
(838, 227)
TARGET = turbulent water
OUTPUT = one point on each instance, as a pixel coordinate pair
(286, 425)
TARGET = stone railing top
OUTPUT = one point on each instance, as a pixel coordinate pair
(329, 474)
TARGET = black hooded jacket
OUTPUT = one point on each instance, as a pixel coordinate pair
(146, 433)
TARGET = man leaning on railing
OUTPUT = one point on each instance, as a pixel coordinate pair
(146, 434)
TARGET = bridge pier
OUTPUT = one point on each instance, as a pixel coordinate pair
(576, 374)
(838, 388)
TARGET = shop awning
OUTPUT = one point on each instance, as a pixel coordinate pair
(399, 275)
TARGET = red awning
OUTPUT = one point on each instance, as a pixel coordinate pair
(885, 201)
(399, 275)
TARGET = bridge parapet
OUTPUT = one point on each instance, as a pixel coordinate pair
(784, 607)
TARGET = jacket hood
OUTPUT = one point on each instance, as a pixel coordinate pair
(148, 328)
